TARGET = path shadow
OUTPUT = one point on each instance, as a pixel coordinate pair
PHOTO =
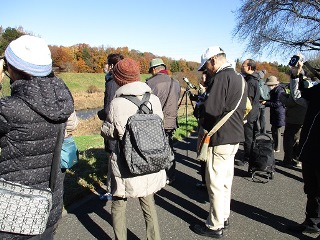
(277, 222)
(96, 206)
(83, 215)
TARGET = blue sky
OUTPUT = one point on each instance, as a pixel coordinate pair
(171, 28)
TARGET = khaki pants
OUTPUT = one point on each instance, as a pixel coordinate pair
(219, 176)
(118, 211)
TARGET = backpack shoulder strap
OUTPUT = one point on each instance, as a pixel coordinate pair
(142, 105)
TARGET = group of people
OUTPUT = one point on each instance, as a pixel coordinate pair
(297, 110)
(40, 103)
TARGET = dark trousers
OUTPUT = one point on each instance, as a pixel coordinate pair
(291, 138)
(276, 135)
(250, 129)
(261, 122)
(170, 170)
(311, 178)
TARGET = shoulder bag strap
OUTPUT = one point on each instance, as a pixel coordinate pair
(55, 166)
(165, 103)
(226, 117)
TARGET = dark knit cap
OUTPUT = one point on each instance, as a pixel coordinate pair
(126, 71)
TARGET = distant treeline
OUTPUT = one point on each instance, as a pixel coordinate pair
(82, 58)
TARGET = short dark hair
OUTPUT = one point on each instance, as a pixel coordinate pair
(113, 58)
(252, 64)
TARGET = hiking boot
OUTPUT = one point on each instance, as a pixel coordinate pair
(203, 230)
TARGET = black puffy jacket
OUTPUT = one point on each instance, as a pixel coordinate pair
(29, 122)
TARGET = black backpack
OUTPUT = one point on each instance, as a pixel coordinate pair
(144, 145)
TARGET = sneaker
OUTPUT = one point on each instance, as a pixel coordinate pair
(203, 230)
(296, 163)
(106, 197)
(304, 228)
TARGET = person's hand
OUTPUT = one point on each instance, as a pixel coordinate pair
(1, 70)
(297, 69)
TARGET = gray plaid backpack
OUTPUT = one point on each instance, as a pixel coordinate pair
(145, 146)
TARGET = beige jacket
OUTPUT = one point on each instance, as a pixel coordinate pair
(113, 128)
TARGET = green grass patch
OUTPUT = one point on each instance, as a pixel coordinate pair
(80, 82)
(89, 141)
(143, 77)
(89, 173)
(185, 128)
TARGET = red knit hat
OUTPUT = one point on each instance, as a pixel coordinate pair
(126, 71)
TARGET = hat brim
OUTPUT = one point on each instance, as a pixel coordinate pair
(201, 68)
(150, 69)
(272, 83)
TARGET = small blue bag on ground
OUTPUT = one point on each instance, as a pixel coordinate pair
(69, 153)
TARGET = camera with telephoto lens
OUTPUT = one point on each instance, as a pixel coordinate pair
(294, 60)
(190, 85)
(5, 68)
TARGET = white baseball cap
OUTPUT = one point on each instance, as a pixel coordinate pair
(209, 53)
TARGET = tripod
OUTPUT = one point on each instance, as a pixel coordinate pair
(186, 95)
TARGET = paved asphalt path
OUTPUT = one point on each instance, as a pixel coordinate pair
(258, 210)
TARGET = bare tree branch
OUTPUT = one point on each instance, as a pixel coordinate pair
(279, 26)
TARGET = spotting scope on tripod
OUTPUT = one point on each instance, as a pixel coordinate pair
(187, 95)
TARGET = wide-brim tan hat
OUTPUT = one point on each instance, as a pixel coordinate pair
(272, 80)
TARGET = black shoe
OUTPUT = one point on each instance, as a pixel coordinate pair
(303, 227)
(203, 230)
(226, 224)
(170, 180)
(291, 163)
(201, 185)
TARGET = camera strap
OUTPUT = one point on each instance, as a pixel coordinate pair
(165, 103)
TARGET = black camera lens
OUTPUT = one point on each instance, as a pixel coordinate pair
(294, 60)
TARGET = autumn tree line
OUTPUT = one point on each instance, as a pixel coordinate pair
(82, 58)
